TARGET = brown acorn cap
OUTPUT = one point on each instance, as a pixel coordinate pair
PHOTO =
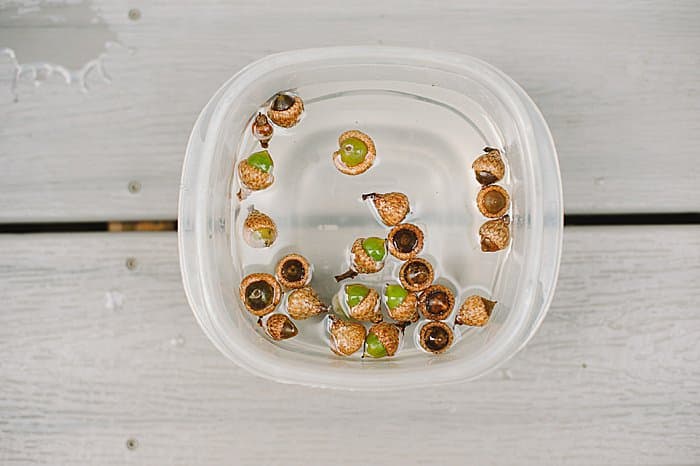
(489, 168)
(436, 337)
(366, 163)
(368, 310)
(493, 201)
(392, 208)
(280, 327)
(285, 112)
(436, 302)
(416, 274)
(407, 311)
(495, 234)
(253, 178)
(255, 221)
(405, 241)
(346, 337)
(262, 129)
(475, 311)
(304, 303)
(258, 283)
(293, 271)
(361, 261)
(389, 335)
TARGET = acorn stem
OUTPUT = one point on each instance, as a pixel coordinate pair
(349, 274)
(491, 149)
(368, 196)
(260, 321)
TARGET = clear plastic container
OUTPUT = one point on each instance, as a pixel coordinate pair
(412, 100)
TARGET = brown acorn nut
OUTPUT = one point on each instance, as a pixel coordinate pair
(495, 234)
(361, 261)
(293, 271)
(366, 162)
(262, 130)
(416, 274)
(304, 303)
(389, 335)
(279, 327)
(436, 302)
(436, 337)
(345, 337)
(391, 208)
(475, 311)
(405, 241)
(489, 168)
(285, 109)
(493, 201)
(407, 311)
(368, 310)
(260, 293)
(259, 230)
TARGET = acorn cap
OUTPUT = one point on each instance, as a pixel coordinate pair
(260, 293)
(366, 163)
(346, 337)
(436, 337)
(255, 221)
(361, 261)
(262, 129)
(254, 178)
(405, 241)
(416, 274)
(436, 302)
(368, 309)
(388, 334)
(493, 201)
(293, 271)
(475, 311)
(489, 168)
(495, 234)
(304, 303)
(285, 110)
(391, 208)
(407, 311)
(280, 327)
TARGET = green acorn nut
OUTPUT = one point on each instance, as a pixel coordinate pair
(382, 340)
(400, 303)
(259, 230)
(255, 172)
(362, 303)
(367, 256)
(356, 153)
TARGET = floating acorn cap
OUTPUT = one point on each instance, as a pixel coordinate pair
(391, 208)
(436, 302)
(345, 337)
(304, 303)
(262, 130)
(367, 256)
(260, 293)
(416, 274)
(475, 311)
(279, 327)
(400, 303)
(435, 337)
(362, 303)
(255, 172)
(405, 241)
(285, 109)
(356, 153)
(382, 340)
(259, 230)
(493, 201)
(293, 271)
(495, 234)
(489, 168)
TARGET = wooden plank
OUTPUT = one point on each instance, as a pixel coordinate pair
(618, 82)
(96, 353)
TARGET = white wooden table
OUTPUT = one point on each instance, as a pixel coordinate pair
(101, 363)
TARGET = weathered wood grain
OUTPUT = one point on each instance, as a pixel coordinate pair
(95, 353)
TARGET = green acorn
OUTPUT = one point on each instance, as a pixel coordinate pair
(383, 340)
(367, 256)
(400, 303)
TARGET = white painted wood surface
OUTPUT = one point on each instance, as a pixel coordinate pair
(94, 354)
(618, 82)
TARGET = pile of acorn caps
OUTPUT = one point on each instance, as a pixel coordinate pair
(415, 295)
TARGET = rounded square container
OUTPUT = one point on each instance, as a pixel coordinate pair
(446, 105)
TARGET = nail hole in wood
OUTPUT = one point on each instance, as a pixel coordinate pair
(131, 263)
(132, 444)
(134, 187)
(584, 365)
(134, 14)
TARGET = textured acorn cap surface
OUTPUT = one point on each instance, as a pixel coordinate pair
(392, 208)
(495, 234)
(304, 303)
(346, 337)
(270, 280)
(366, 163)
(475, 311)
(289, 117)
(389, 335)
(282, 271)
(253, 178)
(408, 266)
(280, 327)
(395, 236)
(253, 222)
(436, 337)
(262, 129)
(407, 311)
(368, 309)
(489, 168)
(430, 309)
(361, 261)
(486, 207)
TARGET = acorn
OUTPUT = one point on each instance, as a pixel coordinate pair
(436, 302)
(345, 337)
(356, 153)
(262, 130)
(255, 172)
(285, 109)
(489, 168)
(495, 234)
(279, 327)
(260, 293)
(391, 208)
(304, 303)
(293, 271)
(475, 311)
(416, 274)
(382, 340)
(259, 230)
(400, 303)
(366, 256)
(405, 241)
(435, 337)
(493, 201)
(361, 303)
